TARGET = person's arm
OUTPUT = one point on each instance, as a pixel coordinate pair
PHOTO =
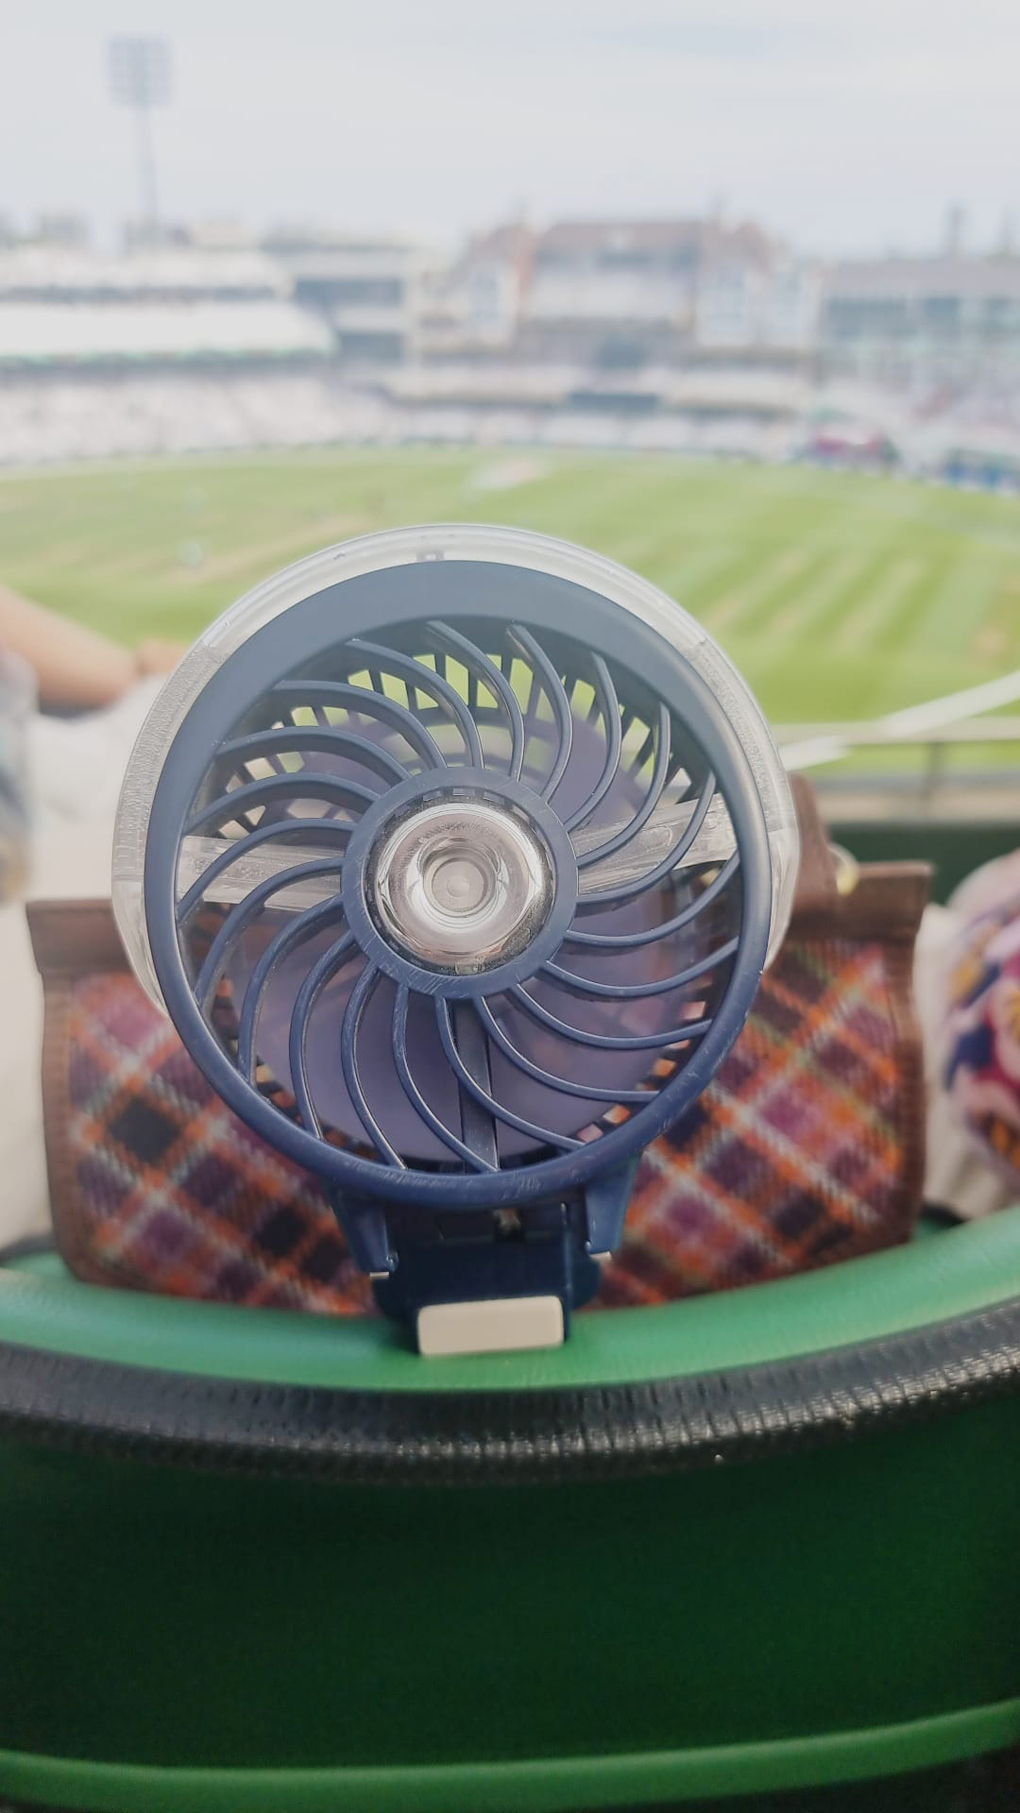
(75, 668)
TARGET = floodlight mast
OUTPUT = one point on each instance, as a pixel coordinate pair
(139, 75)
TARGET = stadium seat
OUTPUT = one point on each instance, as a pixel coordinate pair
(739, 1544)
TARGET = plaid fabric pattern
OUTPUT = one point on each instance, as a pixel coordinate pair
(176, 1194)
(794, 1156)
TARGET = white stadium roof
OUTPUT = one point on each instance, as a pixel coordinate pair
(70, 271)
(37, 333)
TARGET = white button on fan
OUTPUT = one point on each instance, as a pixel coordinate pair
(457, 881)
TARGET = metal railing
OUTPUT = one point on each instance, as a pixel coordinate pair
(935, 729)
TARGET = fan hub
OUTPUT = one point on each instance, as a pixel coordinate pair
(462, 885)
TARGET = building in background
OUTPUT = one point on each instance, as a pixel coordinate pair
(612, 295)
(699, 336)
(368, 292)
(756, 303)
(919, 324)
(621, 295)
(472, 307)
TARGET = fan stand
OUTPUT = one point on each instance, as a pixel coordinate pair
(470, 1293)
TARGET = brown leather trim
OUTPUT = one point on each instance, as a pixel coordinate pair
(887, 903)
(816, 891)
(76, 937)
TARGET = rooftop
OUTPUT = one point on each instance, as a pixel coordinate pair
(944, 275)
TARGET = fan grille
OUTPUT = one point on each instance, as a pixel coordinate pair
(420, 1070)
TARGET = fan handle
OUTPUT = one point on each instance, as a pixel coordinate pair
(496, 1284)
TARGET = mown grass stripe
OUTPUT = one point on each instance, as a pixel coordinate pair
(826, 623)
(836, 575)
(904, 619)
(861, 628)
(801, 566)
(961, 603)
(761, 574)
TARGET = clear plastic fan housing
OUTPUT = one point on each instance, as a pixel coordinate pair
(398, 547)
(455, 851)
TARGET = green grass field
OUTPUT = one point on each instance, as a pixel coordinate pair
(838, 596)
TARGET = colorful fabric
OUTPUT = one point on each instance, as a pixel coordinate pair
(797, 1154)
(794, 1157)
(982, 1052)
(176, 1194)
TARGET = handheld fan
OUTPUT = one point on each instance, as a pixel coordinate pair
(455, 855)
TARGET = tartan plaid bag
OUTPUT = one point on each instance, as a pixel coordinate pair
(806, 1148)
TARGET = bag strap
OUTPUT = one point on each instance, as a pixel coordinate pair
(884, 900)
(817, 890)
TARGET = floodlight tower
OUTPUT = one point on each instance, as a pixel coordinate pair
(139, 73)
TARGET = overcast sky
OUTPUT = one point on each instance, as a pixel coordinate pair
(841, 124)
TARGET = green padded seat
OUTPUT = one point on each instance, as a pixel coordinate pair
(730, 1546)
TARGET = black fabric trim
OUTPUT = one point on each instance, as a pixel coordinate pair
(446, 1438)
(942, 1216)
(27, 1248)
